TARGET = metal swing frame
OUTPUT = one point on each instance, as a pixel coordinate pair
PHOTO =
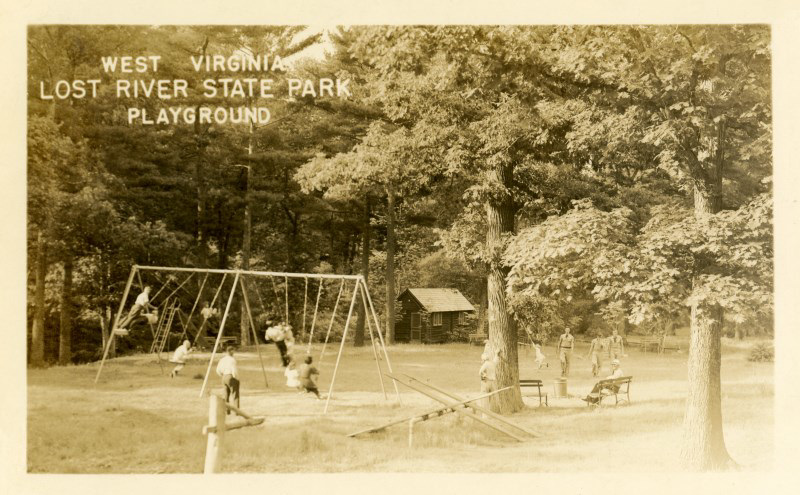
(359, 288)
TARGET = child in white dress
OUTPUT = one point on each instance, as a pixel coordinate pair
(292, 376)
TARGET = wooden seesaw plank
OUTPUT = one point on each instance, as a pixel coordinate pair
(438, 411)
(475, 406)
(457, 408)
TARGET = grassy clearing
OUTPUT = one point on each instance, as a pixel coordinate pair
(139, 421)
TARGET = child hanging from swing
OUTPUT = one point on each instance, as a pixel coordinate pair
(541, 359)
(277, 334)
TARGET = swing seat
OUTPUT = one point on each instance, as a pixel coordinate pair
(122, 332)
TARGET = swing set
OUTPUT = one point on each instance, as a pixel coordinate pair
(242, 282)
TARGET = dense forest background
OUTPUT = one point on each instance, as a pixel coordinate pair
(573, 135)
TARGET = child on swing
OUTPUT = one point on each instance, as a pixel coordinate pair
(179, 357)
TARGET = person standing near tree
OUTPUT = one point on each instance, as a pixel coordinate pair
(487, 350)
(229, 371)
(566, 342)
(616, 347)
(488, 374)
(595, 349)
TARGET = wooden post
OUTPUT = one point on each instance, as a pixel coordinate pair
(219, 335)
(116, 321)
(411, 431)
(253, 328)
(341, 347)
(330, 324)
(216, 433)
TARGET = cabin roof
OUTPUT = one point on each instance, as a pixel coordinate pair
(439, 300)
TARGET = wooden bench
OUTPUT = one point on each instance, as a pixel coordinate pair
(670, 344)
(477, 338)
(538, 384)
(614, 387)
(225, 340)
(654, 343)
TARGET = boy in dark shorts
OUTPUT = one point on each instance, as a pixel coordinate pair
(307, 371)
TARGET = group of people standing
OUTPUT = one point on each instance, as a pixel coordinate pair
(613, 347)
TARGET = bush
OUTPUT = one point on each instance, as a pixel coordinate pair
(762, 353)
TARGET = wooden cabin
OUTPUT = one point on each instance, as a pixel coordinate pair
(430, 315)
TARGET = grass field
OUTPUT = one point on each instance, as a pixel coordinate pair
(138, 420)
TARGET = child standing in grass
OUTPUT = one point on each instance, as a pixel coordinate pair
(307, 371)
(488, 375)
(227, 369)
(292, 375)
(616, 347)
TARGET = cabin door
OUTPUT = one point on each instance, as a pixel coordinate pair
(415, 326)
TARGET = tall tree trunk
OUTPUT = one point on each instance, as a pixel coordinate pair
(105, 324)
(199, 179)
(502, 330)
(703, 442)
(483, 309)
(390, 289)
(65, 331)
(244, 321)
(37, 337)
(202, 248)
(105, 318)
(359, 335)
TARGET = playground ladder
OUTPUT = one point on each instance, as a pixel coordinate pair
(164, 326)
